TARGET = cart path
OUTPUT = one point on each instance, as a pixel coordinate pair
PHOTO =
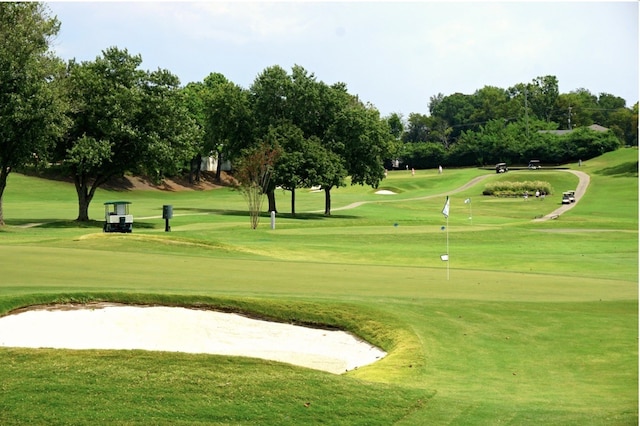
(426, 197)
(583, 183)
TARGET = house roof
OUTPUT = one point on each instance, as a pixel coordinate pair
(594, 127)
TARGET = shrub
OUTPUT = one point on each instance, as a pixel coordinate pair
(516, 189)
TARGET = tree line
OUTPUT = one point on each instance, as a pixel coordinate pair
(528, 120)
(96, 120)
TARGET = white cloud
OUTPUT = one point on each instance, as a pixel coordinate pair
(392, 54)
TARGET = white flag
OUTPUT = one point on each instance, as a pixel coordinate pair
(445, 210)
(467, 201)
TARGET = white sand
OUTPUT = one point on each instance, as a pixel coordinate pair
(185, 330)
(385, 192)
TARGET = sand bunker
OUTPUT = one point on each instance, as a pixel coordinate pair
(385, 192)
(174, 329)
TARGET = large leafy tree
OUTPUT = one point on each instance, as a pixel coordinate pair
(194, 94)
(624, 123)
(363, 141)
(295, 111)
(418, 128)
(543, 94)
(228, 118)
(575, 109)
(31, 111)
(455, 110)
(490, 103)
(167, 128)
(396, 125)
(124, 119)
(268, 98)
(333, 127)
(292, 170)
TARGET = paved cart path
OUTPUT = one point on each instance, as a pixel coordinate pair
(581, 189)
(467, 185)
(583, 183)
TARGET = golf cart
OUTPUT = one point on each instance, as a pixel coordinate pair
(534, 164)
(572, 196)
(568, 197)
(117, 217)
(501, 168)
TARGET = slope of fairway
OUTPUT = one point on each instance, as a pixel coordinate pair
(528, 323)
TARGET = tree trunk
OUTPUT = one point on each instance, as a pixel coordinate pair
(83, 199)
(327, 201)
(271, 197)
(4, 174)
(219, 167)
(83, 207)
(293, 202)
(85, 195)
(194, 170)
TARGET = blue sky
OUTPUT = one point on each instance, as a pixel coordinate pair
(394, 55)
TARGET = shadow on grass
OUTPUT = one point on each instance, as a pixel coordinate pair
(629, 169)
(244, 213)
(68, 224)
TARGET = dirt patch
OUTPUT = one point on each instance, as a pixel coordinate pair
(207, 181)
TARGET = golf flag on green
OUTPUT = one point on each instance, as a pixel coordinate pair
(445, 210)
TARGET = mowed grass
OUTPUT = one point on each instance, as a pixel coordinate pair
(537, 323)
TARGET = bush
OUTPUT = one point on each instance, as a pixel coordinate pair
(516, 189)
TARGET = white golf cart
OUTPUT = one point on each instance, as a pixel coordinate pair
(117, 217)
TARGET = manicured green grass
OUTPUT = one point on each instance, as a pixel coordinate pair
(537, 323)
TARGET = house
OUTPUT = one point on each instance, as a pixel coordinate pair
(594, 127)
(210, 164)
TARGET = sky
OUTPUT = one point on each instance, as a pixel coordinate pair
(394, 55)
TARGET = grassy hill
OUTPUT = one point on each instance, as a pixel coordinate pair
(529, 322)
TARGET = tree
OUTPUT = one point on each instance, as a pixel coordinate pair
(490, 103)
(455, 110)
(268, 100)
(124, 119)
(575, 109)
(396, 125)
(417, 128)
(228, 119)
(624, 123)
(168, 130)
(362, 139)
(297, 110)
(542, 96)
(31, 109)
(253, 174)
(194, 102)
(290, 171)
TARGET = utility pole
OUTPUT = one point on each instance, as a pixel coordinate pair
(569, 119)
(526, 112)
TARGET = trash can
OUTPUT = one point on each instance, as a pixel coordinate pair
(167, 211)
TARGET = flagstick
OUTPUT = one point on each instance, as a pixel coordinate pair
(445, 212)
(448, 248)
